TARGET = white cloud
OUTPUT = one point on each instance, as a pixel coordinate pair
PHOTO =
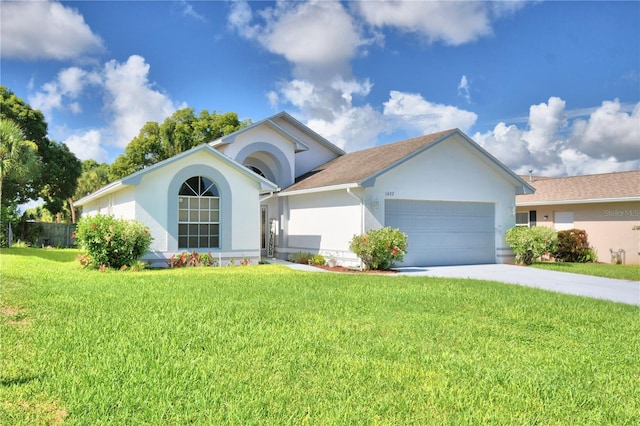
(189, 12)
(578, 163)
(544, 122)
(354, 128)
(452, 22)
(47, 30)
(411, 110)
(130, 100)
(552, 145)
(60, 93)
(87, 146)
(464, 89)
(609, 132)
(308, 34)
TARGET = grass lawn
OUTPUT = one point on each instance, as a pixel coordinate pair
(268, 345)
(622, 272)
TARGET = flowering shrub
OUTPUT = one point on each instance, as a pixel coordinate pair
(528, 244)
(192, 259)
(380, 248)
(110, 242)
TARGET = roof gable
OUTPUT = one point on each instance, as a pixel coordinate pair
(618, 186)
(271, 122)
(135, 178)
(362, 167)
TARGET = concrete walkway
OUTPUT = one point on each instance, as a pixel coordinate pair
(622, 291)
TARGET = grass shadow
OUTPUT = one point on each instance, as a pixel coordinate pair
(55, 255)
(17, 381)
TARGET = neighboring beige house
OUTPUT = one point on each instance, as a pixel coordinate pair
(607, 206)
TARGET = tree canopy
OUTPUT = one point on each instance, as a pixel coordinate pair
(94, 176)
(18, 157)
(180, 132)
(55, 178)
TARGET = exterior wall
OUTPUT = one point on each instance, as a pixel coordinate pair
(609, 225)
(275, 152)
(447, 172)
(120, 204)
(312, 158)
(324, 223)
(154, 202)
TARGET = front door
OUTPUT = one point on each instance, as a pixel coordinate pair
(264, 230)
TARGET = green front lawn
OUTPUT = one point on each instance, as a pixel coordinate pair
(621, 272)
(268, 345)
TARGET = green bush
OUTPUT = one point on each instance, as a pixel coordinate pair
(111, 242)
(380, 248)
(318, 260)
(192, 259)
(528, 244)
(573, 246)
(306, 258)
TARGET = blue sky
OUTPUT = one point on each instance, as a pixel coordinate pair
(548, 86)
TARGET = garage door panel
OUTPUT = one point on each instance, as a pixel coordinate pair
(443, 232)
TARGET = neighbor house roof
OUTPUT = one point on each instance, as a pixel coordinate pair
(360, 168)
(607, 187)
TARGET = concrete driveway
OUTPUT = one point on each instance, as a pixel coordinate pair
(622, 291)
(562, 282)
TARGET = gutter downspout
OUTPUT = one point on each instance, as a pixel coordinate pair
(267, 196)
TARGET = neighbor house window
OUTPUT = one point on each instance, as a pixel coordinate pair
(527, 219)
(198, 214)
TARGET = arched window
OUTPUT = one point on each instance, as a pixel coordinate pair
(257, 171)
(198, 214)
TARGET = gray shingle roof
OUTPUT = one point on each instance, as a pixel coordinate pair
(607, 186)
(358, 166)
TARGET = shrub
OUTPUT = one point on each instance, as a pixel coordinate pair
(573, 246)
(528, 244)
(301, 257)
(192, 259)
(380, 248)
(111, 242)
(307, 258)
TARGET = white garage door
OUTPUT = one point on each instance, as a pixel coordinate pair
(444, 232)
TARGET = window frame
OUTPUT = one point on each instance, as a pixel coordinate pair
(199, 214)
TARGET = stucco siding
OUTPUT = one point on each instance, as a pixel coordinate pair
(263, 147)
(614, 225)
(314, 156)
(324, 223)
(154, 202)
(448, 172)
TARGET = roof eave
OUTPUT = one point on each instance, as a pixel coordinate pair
(577, 201)
(105, 190)
(319, 189)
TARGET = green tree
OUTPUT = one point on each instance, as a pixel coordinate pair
(143, 151)
(180, 132)
(94, 176)
(18, 157)
(59, 168)
(60, 178)
(18, 160)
